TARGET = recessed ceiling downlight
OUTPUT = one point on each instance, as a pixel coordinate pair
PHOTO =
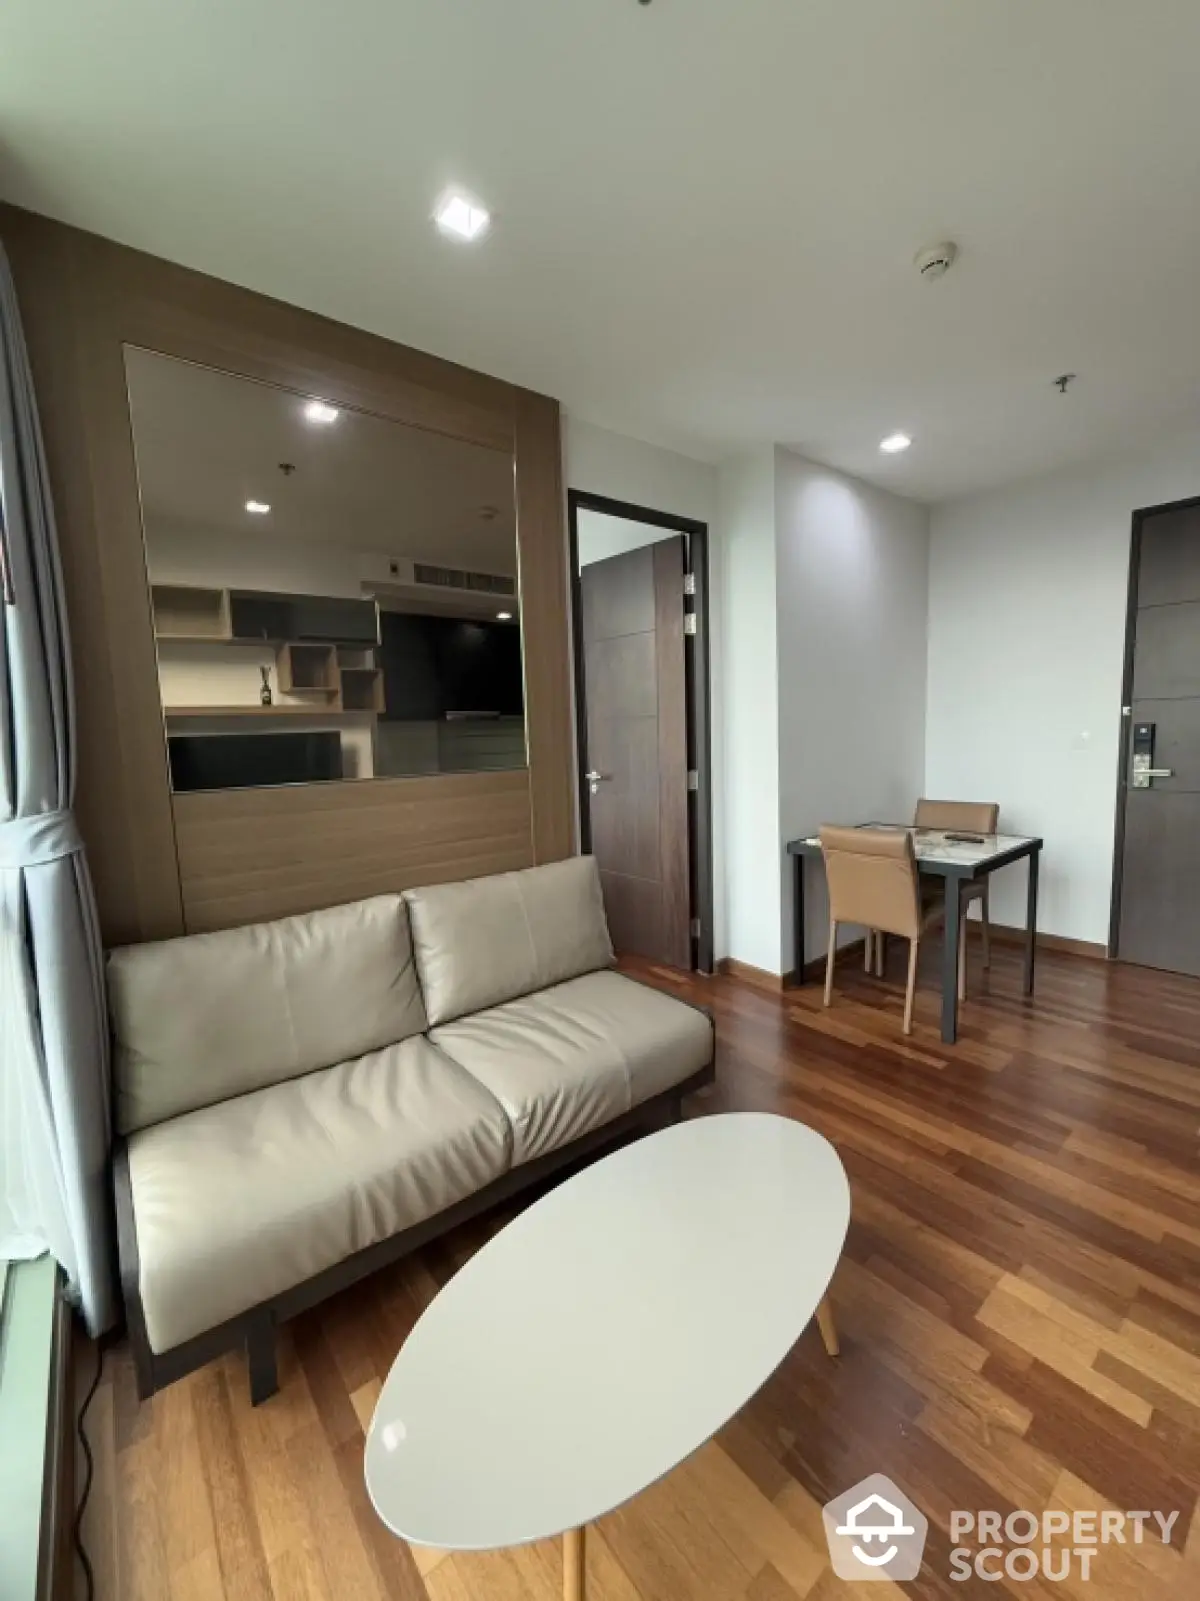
(318, 411)
(460, 217)
(894, 444)
(258, 508)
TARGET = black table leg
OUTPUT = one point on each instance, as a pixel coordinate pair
(950, 962)
(1031, 921)
(798, 919)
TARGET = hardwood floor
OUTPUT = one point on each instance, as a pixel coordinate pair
(1018, 1305)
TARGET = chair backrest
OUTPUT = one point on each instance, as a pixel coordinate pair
(872, 877)
(971, 817)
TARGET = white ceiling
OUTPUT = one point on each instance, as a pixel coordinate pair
(706, 210)
(206, 443)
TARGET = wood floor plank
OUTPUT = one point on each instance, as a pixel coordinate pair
(242, 1561)
(1019, 1307)
(297, 1575)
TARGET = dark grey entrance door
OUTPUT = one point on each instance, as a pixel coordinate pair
(1158, 923)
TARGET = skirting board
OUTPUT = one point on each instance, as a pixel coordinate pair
(1005, 934)
(761, 979)
(730, 967)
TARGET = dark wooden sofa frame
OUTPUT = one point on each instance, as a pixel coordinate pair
(255, 1328)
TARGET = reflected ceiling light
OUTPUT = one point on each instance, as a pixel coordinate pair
(258, 507)
(894, 444)
(318, 411)
(504, 617)
(461, 217)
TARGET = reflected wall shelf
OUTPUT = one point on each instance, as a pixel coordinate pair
(362, 689)
(333, 674)
(325, 713)
(308, 669)
(201, 614)
(190, 613)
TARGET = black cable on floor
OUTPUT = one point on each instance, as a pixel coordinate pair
(76, 1536)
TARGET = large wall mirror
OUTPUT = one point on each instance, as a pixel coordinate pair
(334, 593)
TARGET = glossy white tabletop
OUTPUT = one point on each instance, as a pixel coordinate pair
(933, 845)
(607, 1332)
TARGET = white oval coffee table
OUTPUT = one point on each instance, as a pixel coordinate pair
(606, 1334)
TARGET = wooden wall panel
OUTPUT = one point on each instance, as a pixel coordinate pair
(123, 795)
(247, 854)
(82, 299)
(542, 554)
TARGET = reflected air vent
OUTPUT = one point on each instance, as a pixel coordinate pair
(454, 578)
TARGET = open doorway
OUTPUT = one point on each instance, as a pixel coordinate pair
(639, 583)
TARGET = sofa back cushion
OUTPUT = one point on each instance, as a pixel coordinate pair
(203, 1018)
(489, 940)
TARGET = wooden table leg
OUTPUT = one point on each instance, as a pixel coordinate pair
(828, 1327)
(574, 1565)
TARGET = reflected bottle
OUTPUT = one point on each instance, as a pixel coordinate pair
(264, 693)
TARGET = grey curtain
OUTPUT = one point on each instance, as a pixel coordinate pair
(56, 1104)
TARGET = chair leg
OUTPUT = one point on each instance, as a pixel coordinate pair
(828, 1328)
(987, 932)
(914, 946)
(574, 1564)
(962, 957)
(880, 952)
(868, 950)
(829, 963)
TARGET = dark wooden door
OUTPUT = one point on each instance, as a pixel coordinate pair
(636, 798)
(1159, 917)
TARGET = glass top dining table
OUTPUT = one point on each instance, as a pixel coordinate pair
(949, 854)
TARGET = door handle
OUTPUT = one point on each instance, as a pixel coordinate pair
(1142, 773)
(596, 779)
(1142, 770)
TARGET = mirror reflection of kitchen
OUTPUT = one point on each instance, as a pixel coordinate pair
(334, 593)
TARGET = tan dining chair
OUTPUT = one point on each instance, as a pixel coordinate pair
(964, 817)
(873, 881)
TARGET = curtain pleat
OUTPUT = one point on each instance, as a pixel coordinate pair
(55, 1110)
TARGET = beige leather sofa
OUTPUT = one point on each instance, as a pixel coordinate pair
(303, 1101)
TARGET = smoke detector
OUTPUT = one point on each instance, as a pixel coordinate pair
(935, 261)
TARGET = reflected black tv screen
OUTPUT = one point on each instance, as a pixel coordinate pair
(436, 666)
(248, 761)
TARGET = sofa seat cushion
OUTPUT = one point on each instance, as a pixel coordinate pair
(573, 1057)
(236, 1203)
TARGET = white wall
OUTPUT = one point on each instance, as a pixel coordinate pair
(601, 536)
(249, 561)
(605, 463)
(749, 692)
(1026, 631)
(852, 578)
(609, 464)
